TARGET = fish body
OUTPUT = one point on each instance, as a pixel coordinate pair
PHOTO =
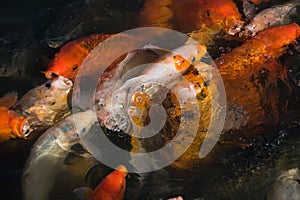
(205, 16)
(112, 187)
(47, 103)
(49, 153)
(270, 43)
(68, 60)
(287, 186)
(171, 65)
(274, 16)
(110, 79)
(250, 74)
(12, 125)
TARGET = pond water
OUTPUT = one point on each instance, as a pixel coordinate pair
(229, 172)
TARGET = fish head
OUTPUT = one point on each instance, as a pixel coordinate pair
(234, 27)
(112, 186)
(66, 63)
(62, 68)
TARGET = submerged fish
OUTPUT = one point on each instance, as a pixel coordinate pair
(287, 186)
(274, 16)
(112, 187)
(250, 74)
(202, 19)
(68, 60)
(171, 65)
(190, 15)
(12, 125)
(49, 154)
(46, 104)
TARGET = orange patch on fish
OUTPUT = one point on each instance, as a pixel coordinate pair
(190, 15)
(180, 63)
(11, 125)
(112, 187)
(68, 60)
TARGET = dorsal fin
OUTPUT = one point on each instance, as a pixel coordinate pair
(9, 99)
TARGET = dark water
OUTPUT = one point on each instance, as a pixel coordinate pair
(228, 173)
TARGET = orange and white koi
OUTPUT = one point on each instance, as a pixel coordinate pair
(12, 125)
(68, 60)
(112, 187)
(47, 103)
(171, 65)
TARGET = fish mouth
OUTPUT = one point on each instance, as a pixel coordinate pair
(50, 75)
(25, 129)
(122, 168)
(62, 83)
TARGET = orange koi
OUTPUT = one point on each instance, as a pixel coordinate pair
(250, 73)
(68, 60)
(12, 125)
(112, 187)
(193, 15)
(267, 44)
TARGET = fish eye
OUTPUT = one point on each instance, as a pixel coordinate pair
(48, 85)
(193, 59)
(75, 67)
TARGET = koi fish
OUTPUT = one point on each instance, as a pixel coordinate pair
(171, 65)
(49, 154)
(45, 104)
(270, 43)
(112, 187)
(68, 60)
(205, 16)
(274, 16)
(115, 72)
(250, 73)
(12, 125)
(286, 186)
